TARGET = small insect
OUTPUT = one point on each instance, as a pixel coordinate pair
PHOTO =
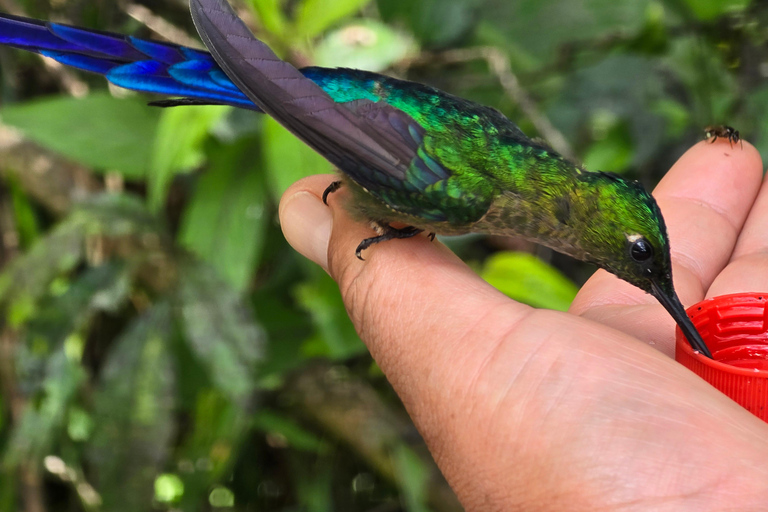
(725, 132)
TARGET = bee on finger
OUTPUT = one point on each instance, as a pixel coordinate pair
(725, 132)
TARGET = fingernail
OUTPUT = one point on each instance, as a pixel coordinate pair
(306, 223)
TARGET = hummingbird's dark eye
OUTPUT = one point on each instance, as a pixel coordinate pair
(641, 250)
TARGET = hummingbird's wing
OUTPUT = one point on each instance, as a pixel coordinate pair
(376, 145)
(297, 103)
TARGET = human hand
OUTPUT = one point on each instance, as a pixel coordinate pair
(527, 409)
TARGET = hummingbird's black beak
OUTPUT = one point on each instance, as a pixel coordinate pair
(672, 304)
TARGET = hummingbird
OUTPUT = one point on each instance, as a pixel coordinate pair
(408, 153)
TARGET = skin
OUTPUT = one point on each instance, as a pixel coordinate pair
(536, 410)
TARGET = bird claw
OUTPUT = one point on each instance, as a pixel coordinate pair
(330, 189)
(387, 233)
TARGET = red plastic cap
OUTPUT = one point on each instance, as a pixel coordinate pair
(735, 328)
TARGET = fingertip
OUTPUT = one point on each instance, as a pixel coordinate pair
(713, 166)
(307, 222)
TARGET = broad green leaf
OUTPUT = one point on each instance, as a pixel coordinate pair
(365, 44)
(270, 14)
(525, 278)
(133, 413)
(102, 132)
(707, 10)
(315, 16)
(287, 159)
(220, 331)
(226, 220)
(178, 146)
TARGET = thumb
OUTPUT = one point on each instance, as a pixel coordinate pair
(405, 294)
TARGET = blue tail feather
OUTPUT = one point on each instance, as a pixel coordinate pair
(129, 62)
(158, 67)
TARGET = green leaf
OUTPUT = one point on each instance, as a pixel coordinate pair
(133, 413)
(28, 277)
(525, 278)
(102, 132)
(43, 419)
(220, 331)
(24, 214)
(314, 486)
(708, 10)
(413, 477)
(217, 428)
(542, 26)
(315, 16)
(365, 44)
(178, 146)
(103, 288)
(433, 22)
(116, 215)
(612, 150)
(270, 15)
(287, 159)
(293, 434)
(336, 336)
(226, 220)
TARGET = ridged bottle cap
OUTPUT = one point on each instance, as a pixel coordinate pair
(735, 329)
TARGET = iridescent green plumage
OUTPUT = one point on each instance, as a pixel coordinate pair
(477, 172)
(408, 152)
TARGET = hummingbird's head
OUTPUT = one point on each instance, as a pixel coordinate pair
(630, 230)
(625, 232)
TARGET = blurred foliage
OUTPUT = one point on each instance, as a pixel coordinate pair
(162, 347)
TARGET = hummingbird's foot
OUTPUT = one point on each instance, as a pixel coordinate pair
(387, 233)
(431, 236)
(333, 187)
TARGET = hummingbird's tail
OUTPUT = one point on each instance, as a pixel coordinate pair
(128, 62)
